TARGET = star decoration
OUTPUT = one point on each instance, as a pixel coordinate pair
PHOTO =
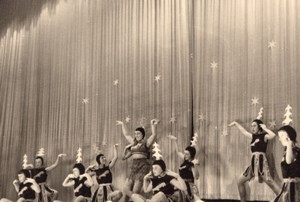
(157, 78)
(254, 101)
(224, 132)
(96, 149)
(272, 44)
(85, 100)
(173, 119)
(272, 124)
(116, 82)
(213, 65)
(142, 121)
(201, 117)
(127, 119)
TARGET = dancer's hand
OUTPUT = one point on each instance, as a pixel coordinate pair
(148, 176)
(61, 155)
(232, 124)
(289, 142)
(195, 162)
(116, 145)
(15, 182)
(30, 180)
(103, 174)
(120, 123)
(263, 126)
(171, 137)
(70, 176)
(154, 122)
(28, 166)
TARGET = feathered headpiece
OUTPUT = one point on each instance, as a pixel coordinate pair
(79, 155)
(156, 151)
(25, 162)
(41, 152)
(288, 116)
(259, 115)
(194, 140)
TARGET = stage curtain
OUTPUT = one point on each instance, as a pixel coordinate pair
(70, 69)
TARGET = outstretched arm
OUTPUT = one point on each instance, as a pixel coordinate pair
(151, 139)
(56, 162)
(241, 129)
(125, 132)
(113, 161)
(270, 134)
(174, 139)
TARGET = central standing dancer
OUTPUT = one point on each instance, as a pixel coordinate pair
(140, 150)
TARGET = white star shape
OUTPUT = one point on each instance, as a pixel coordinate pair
(157, 78)
(201, 117)
(224, 132)
(142, 121)
(213, 65)
(85, 100)
(254, 101)
(173, 119)
(127, 119)
(116, 82)
(272, 124)
(272, 44)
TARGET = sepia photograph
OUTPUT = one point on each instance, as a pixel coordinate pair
(149, 100)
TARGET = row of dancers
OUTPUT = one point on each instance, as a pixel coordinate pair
(152, 176)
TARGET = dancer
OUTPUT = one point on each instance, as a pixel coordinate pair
(39, 173)
(161, 182)
(80, 180)
(105, 191)
(139, 151)
(187, 170)
(26, 187)
(258, 168)
(290, 166)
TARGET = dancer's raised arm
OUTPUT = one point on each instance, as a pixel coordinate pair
(125, 132)
(241, 129)
(56, 162)
(153, 136)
